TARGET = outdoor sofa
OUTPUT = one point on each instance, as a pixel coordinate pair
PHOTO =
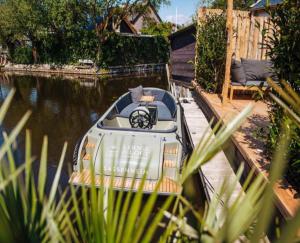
(250, 75)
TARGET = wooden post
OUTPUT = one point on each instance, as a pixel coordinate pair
(229, 51)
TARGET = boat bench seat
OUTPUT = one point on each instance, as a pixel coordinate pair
(163, 113)
(166, 108)
(128, 109)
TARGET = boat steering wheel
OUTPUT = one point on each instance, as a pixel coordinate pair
(140, 118)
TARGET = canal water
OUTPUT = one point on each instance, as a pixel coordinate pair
(64, 108)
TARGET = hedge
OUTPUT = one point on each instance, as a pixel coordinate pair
(117, 50)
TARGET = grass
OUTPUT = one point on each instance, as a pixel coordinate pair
(81, 214)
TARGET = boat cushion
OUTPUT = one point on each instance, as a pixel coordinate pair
(123, 102)
(128, 109)
(169, 102)
(136, 94)
(163, 113)
(158, 94)
(256, 83)
(147, 93)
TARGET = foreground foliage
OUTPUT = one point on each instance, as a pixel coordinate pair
(284, 49)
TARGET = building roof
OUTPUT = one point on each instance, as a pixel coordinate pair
(261, 4)
(154, 11)
(184, 31)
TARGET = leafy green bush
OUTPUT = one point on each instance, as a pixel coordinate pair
(22, 55)
(126, 50)
(116, 51)
(211, 52)
(78, 45)
(284, 50)
(162, 29)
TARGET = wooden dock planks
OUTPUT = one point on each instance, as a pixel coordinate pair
(218, 169)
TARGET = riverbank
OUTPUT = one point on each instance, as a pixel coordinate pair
(83, 70)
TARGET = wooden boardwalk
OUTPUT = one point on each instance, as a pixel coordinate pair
(218, 170)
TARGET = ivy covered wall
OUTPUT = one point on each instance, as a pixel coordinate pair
(117, 50)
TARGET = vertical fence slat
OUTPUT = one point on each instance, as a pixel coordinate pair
(247, 25)
(247, 41)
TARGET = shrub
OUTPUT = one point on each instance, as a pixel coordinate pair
(22, 55)
(127, 50)
(211, 52)
(284, 49)
(116, 51)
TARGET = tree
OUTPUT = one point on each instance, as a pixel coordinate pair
(54, 24)
(153, 28)
(36, 21)
(238, 4)
(112, 13)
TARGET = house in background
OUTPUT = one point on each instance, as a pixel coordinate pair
(182, 57)
(259, 8)
(133, 23)
(139, 21)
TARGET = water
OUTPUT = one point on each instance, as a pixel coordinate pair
(64, 108)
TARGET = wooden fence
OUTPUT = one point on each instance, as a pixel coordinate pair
(248, 38)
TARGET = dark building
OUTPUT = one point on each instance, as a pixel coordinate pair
(183, 53)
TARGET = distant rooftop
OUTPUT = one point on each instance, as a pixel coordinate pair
(261, 4)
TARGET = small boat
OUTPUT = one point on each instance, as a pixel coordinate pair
(140, 134)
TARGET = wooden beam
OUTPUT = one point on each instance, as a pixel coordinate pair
(229, 51)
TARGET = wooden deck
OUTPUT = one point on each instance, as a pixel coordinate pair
(166, 186)
(218, 170)
(249, 143)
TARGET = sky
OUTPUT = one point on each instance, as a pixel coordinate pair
(185, 10)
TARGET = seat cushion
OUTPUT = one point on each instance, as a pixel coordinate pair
(257, 83)
(163, 113)
(237, 72)
(123, 102)
(169, 102)
(136, 93)
(158, 94)
(237, 84)
(251, 83)
(128, 109)
(257, 69)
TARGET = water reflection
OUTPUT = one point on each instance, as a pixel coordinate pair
(64, 108)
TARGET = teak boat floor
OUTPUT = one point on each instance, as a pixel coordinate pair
(85, 178)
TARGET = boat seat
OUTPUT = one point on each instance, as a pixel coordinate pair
(163, 113)
(168, 101)
(124, 103)
(166, 108)
(128, 109)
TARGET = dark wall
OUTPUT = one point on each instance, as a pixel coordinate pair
(183, 53)
(124, 28)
